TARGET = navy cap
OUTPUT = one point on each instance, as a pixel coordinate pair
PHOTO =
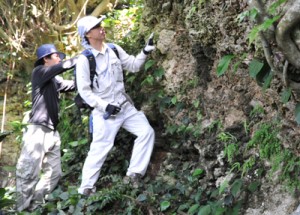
(45, 50)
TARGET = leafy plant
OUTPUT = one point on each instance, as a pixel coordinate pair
(5, 199)
(262, 27)
(249, 13)
(226, 137)
(255, 67)
(223, 64)
(286, 95)
(257, 110)
(230, 151)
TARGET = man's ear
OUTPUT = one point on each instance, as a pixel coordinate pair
(46, 59)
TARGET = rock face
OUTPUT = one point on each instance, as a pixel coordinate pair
(192, 37)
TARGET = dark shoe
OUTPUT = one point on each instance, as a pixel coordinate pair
(34, 207)
(89, 192)
(134, 179)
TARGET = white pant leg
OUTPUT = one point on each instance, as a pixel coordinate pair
(29, 165)
(104, 133)
(51, 166)
(143, 144)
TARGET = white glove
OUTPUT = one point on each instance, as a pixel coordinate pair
(149, 46)
(68, 64)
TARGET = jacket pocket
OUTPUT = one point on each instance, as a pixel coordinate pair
(117, 70)
(25, 167)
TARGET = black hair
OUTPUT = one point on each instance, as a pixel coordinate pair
(87, 39)
(41, 61)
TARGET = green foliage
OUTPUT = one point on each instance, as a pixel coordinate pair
(247, 166)
(286, 95)
(230, 151)
(262, 27)
(272, 9)
(269, 147)
(191, 12)
(164, 205)
(226, 137)
(257, 110)
(268, 81)
(266, 139)
(255, 67)
(249, 13)
(223, 64)
(297, 113)
(5, 198)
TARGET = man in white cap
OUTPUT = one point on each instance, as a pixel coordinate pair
(106, 97)
(41, 141)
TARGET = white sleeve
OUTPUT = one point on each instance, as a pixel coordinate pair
(84, 84)
(129, 62)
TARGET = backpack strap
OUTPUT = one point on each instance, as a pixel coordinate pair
(113, 47)
(89, 55)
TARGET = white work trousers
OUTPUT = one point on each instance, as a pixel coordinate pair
(104, 132)
(40, 152)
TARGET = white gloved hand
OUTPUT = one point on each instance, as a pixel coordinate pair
(68, 64)
(149, 46)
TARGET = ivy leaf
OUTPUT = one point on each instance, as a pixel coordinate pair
(174, 100)
(73, 144)
(196, 103)
(148, 80)
(183, 207)
(268, 81)
(159, 73)
(142, 197)
(149, 64)
(223, 64)
(130, 79)
(193, 209)
(286, 94)
(223, 187)
(198, 172)
(297, 113)
(64, 196)
(164, 205)
(254, 67)
(253, 186)
(205, 210)
(236, 187)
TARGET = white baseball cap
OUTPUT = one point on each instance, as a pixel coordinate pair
(85, 24)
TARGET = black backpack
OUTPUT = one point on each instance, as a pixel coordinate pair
(80, 103)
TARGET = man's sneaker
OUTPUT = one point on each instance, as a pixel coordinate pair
(134, 179)
(35, 206)
(89, 192)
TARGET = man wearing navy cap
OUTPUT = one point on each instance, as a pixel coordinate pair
(41, 141)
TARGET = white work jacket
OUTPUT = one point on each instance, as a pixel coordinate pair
(108, 82)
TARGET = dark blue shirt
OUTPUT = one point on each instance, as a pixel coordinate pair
(46, 86)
